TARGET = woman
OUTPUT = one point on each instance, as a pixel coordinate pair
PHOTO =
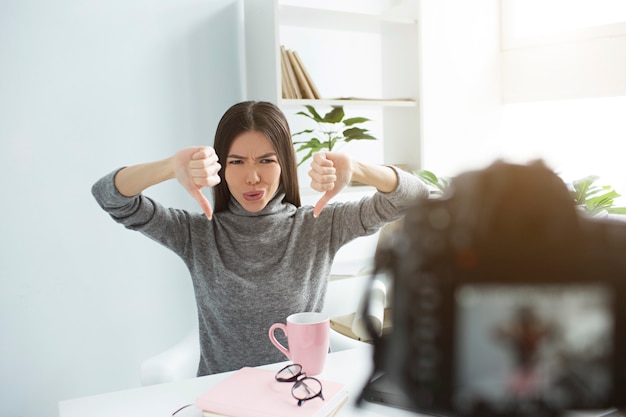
(259, 256)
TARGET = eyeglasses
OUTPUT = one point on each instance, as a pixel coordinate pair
(304, 388)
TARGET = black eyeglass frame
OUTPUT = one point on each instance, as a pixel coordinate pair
(299, 378)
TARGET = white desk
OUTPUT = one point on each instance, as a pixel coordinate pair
(349, 366)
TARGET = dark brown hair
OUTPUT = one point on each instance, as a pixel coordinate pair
(266, 118)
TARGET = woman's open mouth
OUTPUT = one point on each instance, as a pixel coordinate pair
(253, 195)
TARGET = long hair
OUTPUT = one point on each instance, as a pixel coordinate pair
(266, 118)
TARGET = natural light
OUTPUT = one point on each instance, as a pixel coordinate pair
(575, 137)
(541, 17)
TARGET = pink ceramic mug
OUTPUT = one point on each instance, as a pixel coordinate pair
(308, 336)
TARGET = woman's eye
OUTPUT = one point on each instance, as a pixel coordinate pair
(268, 161)
(235, 161)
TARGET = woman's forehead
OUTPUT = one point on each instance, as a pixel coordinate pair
(251, 143)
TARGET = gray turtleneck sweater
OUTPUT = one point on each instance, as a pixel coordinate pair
(250, 270)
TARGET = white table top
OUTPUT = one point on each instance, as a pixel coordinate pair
(349, 366)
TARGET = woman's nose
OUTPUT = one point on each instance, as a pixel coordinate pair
(252, 176)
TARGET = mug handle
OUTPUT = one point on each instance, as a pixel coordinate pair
(275, 342)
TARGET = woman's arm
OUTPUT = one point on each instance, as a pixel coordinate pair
(382, 177)
(194, 168)
(134, 179)
(332, 172)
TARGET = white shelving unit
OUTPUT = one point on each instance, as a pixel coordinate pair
(367, 50)
(363, 49)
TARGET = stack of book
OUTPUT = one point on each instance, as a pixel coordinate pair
(296, 80)
(254, 392)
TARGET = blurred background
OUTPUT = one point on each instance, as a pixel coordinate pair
(87, 87)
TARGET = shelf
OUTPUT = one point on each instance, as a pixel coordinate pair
(359, 55)
(350, 102)
(337, 20)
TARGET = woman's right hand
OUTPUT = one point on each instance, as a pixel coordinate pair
(195, 168)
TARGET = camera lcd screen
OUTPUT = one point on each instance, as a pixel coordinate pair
(547, 345)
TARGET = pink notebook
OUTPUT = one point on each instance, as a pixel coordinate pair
(254, 392)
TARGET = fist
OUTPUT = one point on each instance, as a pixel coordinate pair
(195, 168)
(330, 173)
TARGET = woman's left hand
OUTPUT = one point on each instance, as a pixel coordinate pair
(330, 173)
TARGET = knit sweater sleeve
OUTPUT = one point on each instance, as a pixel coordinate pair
(170, 227)
(390, 206)
(354, 219)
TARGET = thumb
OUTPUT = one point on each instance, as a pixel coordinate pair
(202, 200)
(321, 203)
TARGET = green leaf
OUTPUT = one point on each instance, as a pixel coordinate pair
(440, 184)
(354, 120)
(306, 115)
(361, 137)
(601, 201)
(336, 115)
(329, 127)
(306, 157)
(584, 188)
(594, 199)
(311, 143)
(427, 176)
(355, 133)
(302, 132)
(312, 114)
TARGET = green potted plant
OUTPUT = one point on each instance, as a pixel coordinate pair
(436, 185)
(589, 197)
(330, 130)
(594, 199)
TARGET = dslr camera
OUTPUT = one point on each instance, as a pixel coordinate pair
(507, 300)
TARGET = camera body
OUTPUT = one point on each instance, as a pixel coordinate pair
(506, 300)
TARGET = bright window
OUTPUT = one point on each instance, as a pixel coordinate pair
(528, 22)
(541, 17)
(575, 137)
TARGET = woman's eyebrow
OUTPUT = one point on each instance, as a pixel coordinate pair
(265, 155)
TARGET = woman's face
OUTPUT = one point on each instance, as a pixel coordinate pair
(252, 170)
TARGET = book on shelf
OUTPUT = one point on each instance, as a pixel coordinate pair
(296, 81)
(291, 81)
(254, 392)
(303, 83)
(284, 85)
(307, 77)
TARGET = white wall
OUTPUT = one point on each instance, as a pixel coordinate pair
(460, 84)
(85, 87)
(466, 78)
(587, 63)
(565, 96)
(590, 68)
